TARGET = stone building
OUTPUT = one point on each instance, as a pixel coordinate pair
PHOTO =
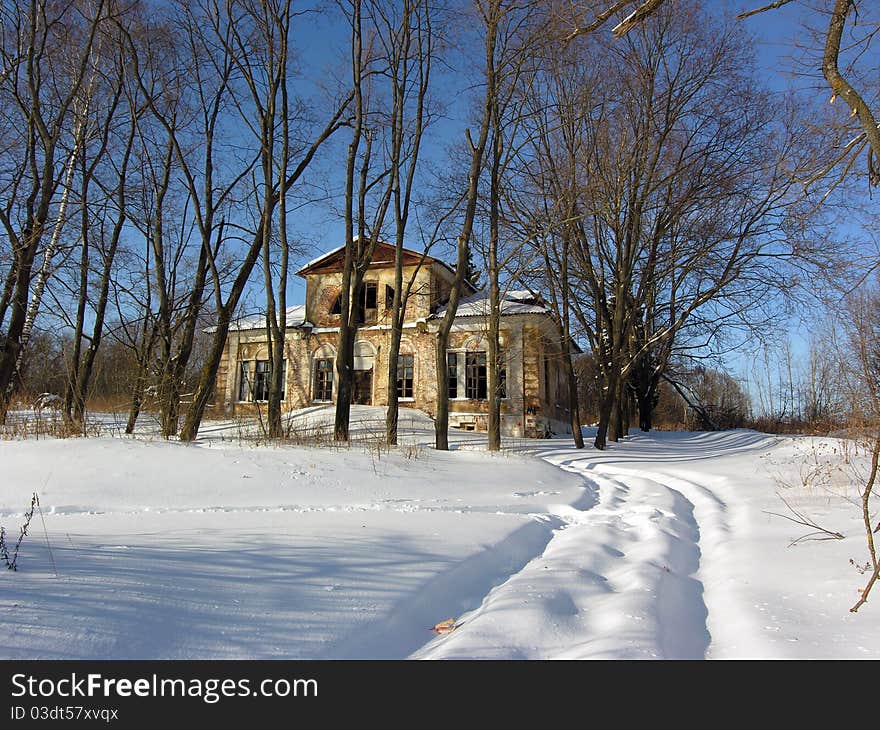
(534, 391)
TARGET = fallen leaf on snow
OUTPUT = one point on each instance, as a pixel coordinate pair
(444, 627)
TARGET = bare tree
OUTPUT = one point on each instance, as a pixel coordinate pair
(362, 227)
(490, 14)
(676, 184)
(262, 54)
(46, 52)
(410, 46)
(102, 219)
(221, 24)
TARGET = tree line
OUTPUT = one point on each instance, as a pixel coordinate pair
(644, 178)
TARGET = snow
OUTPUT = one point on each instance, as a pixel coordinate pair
(513, 302)
(662, 546)
(296, 317)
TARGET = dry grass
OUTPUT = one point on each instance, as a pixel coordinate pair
(48, 424)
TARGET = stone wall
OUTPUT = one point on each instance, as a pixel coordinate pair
(322, 292)
(537, 394)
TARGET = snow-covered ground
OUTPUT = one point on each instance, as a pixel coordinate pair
(661, 546)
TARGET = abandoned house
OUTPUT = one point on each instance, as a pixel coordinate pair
(534, 389)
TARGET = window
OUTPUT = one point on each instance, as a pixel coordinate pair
(389, 296)
(405, 376)
(452, 374)
(370, 293)
(253, 383)
(475, 375)
(244, 381)
(366, 303)
(261, 381)
(324, 379)
(337, 305)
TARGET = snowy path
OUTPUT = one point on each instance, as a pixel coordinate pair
(619, 580)
(679, 557)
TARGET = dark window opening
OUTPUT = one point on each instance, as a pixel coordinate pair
(452, 375)
(405, 376)
(389, 296)
(502, 381)
(475, 375)
(337, 305)
(324, 379)
(261, 380)
(366, 303)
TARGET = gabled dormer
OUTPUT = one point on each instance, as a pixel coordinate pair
(373, 302)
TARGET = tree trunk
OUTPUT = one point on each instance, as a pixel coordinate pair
(493, 356)
(441, 415)
(207, 381)
(573, 405)
(208, 375)
(392, 413)
(344, 374)
(646, 412)
(135, 409)
(607, 410)
(601, 440)
(276, 386)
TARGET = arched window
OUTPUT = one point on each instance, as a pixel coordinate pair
(323, 369)
(364, 355)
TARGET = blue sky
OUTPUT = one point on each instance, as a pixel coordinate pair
(323, 42)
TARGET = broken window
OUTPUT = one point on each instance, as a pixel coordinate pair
(324, 379)
(475, 375)
(405, 376)
(452, 374)
(337, 305)
(366, 303)
(389, 296)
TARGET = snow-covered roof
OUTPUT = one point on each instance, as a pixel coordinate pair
(296, 317)
(512, 302)
(319, 259)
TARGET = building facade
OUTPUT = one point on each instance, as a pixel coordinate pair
(533, 386)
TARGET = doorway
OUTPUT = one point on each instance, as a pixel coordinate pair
(362, 393)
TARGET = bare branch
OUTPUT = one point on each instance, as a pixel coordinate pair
(771, 6)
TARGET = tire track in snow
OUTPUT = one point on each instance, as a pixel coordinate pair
(619, 580)
(730, 621)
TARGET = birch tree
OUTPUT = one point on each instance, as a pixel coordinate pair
(46, 52)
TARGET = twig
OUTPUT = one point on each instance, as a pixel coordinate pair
(867, 589)
(4, 552)
(46, 533)
(801, 519)
(866, 497)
